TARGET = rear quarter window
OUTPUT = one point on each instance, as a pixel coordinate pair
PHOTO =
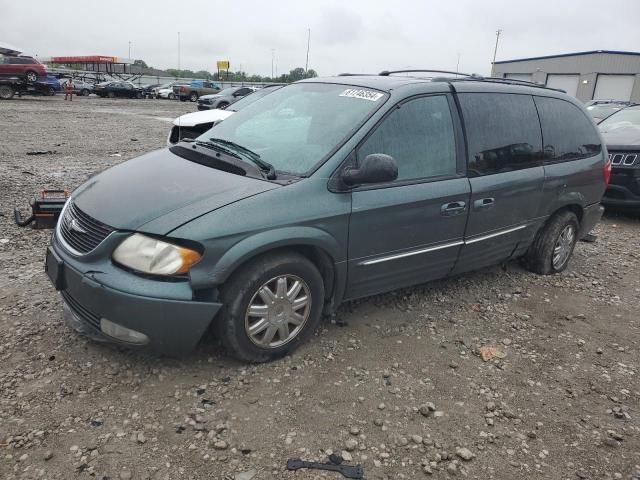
(503, 132)
(568, 134)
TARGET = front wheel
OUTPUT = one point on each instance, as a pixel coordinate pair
(171, 96)
(6, 92)
(193, 97)
(553, 247)
(111, 95)
(31, 76)
(138, 95)
(271, 306)
(85, 92)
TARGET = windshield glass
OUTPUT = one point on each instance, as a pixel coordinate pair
(602, 111)
(627, 117)
(296, 126)
(252, 97)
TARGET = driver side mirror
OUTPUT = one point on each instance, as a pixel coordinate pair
(375, 168)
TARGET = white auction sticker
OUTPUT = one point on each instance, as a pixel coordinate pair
(362, 94)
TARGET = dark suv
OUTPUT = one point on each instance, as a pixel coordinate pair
(621, 133)
(323, 191)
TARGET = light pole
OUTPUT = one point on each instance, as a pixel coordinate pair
(178, 52)
(306, 65)
(273, 56)
(495, 51)
(129, 49)
(458, 64)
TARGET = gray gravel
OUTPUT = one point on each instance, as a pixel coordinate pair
(400, 389)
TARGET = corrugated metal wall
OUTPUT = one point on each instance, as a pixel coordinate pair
(587, 66)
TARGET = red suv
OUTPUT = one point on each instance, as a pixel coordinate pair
(24, 67)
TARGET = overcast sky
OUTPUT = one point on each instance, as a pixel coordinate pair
(353, 36)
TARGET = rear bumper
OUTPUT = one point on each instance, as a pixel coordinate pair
(172, 326)
(590, 218)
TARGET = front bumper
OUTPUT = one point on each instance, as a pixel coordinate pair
(173, 325)
(624, 188)
(204, 106)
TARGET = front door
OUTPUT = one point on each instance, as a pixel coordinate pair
(411, 230)
(506, 176)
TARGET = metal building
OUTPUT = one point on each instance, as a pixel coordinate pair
(594, 75)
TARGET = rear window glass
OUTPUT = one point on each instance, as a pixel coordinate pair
(567, 132)
(503, 132)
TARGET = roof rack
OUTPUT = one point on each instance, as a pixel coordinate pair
(386, 73)
(508, 81)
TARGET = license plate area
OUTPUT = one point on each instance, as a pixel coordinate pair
(54, 266)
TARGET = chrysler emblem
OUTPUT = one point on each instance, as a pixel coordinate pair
(75, 226)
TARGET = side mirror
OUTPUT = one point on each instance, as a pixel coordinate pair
(375, 168)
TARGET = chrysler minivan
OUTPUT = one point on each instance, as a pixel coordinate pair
(323, 191)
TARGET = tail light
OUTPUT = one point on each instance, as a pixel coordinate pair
(183, 89)
(606, 172)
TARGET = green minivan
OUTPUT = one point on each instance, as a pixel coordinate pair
(324, 191)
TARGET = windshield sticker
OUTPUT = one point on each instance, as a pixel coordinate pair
(362, 94)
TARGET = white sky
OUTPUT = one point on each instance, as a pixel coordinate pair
(346, 36)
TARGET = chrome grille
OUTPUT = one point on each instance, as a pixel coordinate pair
(80, 231)
(624, 159)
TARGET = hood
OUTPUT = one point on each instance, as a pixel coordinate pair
(204, 116)
(622, 137)
(210, 96)
(160, 191)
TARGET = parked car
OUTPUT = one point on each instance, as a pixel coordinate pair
(223, 99)
(53, 85)
(117, 89)
(164, 91)
(148, 90)
(195, 89)
(27, 68)
(323, 191)
(80, 87)
(601, 109)
(621, 133)
(192, 125)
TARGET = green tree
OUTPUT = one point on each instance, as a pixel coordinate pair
(140, 63)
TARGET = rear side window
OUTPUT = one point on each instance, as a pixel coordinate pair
(567, 132)
(419, 135)
(503, 132)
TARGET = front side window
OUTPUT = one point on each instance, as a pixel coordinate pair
(297, 126)
(567, 132)
(503, 132)
(419, 135)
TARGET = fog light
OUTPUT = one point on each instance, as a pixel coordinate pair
(121, 333)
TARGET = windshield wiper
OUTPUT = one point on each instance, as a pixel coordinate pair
(247, 153)
(215, 146)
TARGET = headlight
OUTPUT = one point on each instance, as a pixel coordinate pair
(149, 255)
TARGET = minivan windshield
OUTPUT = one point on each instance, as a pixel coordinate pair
(297, 126)
(627, 117)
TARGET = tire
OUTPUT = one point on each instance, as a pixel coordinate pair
(138, 95)
(183, 99)
(545, 256)
(171, 96)
(51, 92)
(222, 105)
(85, 92)
(6, 92)
(111, 95)
(193, 97)
(242, 290)
(31, 76)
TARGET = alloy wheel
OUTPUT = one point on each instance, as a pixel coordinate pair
(278, 311)
(563, 247)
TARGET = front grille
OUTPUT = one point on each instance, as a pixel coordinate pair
(81, 312)
(624, 159)
(205, 101)
(80, 231)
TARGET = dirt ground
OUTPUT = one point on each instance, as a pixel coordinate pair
(400, 388)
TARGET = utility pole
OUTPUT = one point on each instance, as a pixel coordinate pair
(495, 51)
(178, 50)
(306, 65)
(129, 49)
(273, 56)
(458, 64)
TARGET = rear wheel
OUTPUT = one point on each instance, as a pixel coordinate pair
(138, 95)
(171, 96)
(193, 97)
(111, 95)
(51, 92)
(223, 105)
(85, 92)
(271, 306)
(553, 247)
(6, 92)
(31, 76)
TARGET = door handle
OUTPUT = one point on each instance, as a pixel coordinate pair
(453, 208)
(483, 203)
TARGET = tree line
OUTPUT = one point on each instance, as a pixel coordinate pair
(294, 75)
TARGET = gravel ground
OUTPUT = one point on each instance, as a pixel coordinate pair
(399, 388)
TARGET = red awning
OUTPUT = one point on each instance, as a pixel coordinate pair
(85, 59)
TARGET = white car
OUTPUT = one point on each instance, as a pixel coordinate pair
(192, 125)
(166, 93)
